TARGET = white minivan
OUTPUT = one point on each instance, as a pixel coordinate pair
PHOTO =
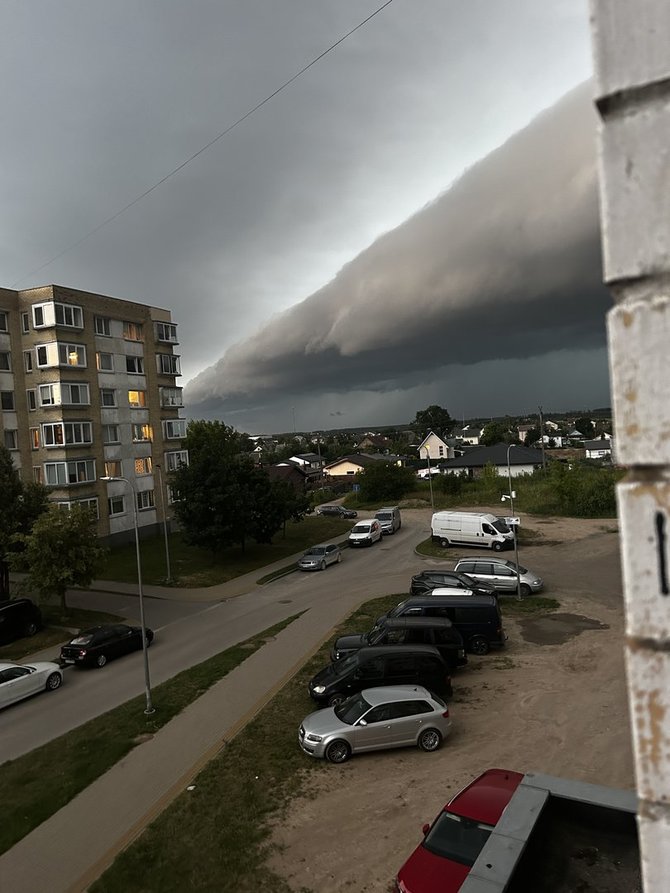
(471, 529)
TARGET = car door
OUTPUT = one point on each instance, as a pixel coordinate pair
(16, 683)
(407, 720)
(376, 730)
(503, 578)
(124, 640)
(331, 554)
(400, 670)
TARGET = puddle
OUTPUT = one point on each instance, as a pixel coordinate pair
(555, 629)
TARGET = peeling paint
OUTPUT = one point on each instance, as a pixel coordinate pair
(627, 318)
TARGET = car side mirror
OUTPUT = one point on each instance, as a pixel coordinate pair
(362, 722)
(425, 829)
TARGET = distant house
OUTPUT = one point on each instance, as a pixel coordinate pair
(435, 448)
(469, 435)
(311, 463)
(557, 440)
(377, 442)
(352, 464)
(598, 449)
(523, 431)
(522, 460)
(551, 426)
(284, 471)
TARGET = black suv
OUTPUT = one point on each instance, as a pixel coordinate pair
(338, 511)
(426, 581)
(436, 631)
(18, 617)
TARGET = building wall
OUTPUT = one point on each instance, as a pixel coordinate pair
(112, 346)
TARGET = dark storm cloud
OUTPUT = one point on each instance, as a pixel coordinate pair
(504, 265)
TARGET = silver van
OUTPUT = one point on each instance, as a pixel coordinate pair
(389, 519)
(501, 574)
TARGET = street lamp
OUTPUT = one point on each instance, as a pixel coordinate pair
(149, 709)
(165, 530)
(512, 494)
(430, 480)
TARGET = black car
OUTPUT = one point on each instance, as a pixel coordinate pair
(337, 511)
(19, 617)
(426, 581)
(94, 647)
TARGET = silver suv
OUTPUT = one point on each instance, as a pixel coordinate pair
(501, 574)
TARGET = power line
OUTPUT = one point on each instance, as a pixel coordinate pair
(204, 148)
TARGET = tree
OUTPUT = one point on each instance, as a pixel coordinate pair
(585, 427)
(20, 505)
(433, 418)
(385, 482)
(498, 432)
(532, 437)
(61, 551)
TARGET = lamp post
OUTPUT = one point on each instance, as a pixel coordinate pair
(430, 480)
(511, 503)
(165, 530)
(149, 709)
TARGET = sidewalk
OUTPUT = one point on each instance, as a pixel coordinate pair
(72, 848)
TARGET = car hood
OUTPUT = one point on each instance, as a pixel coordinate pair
(323, 677)
(42, 666)
(350, 643)
(428, 873)
(311, 559)
(322, 722)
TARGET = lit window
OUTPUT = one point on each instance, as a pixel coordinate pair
(113, 469)
(141, 433)
(104, 362)
(115, 505)
(137, 399)
(107, 396)
(143, 466)
(71, 354)
(135, 365)
(132, 331)
(145, 500)
(101, 325)
(35, 438)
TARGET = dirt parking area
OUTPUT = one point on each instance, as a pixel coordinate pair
(553, 701)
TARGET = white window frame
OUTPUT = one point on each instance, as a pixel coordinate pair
(141, 433)
(138, 402)
(6, 358)
(171, 396)
(113, 468)
(31, 399)
(102, 325)
(104, 361)
(133, 331)
(175, 459)
(25, 323)
(38, 309)
(91, 502)
(134, 361)
(107, 391)
(28, 360)
(143, 465)
(168, 429)
(50, 390)
(71, 434)
(67, 473)
(106, 430)
(166, 332)
(67, 351)
(145, 500)
(73, 311)
(67, 388)
(117, 501)
(4, 321)
(14, 445)
(168, 364)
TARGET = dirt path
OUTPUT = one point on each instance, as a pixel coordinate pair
(554, 708)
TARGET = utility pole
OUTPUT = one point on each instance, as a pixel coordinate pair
(544, 458)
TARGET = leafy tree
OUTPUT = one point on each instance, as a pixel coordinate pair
(433, 418)
(585, 427)
(20, 505)
(498, 432)
(61, 551)
(532, 437)
(384, 481)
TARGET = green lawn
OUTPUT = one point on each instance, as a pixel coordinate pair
(56, 629)
(193, 567)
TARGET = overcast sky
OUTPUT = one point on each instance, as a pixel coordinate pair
(373, 239)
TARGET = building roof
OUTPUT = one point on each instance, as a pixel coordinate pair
(598, 444)
(361, 459)
(496, 455)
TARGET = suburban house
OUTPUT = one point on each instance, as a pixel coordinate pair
(352, 464)
(469, 435)
(435, 448)
(522, 460)
(598, 449)
(523, 430)
(376, 442)
(310, 463)
(285, 471)
(557, 440)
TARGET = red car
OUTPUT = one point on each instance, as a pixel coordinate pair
(450, 846)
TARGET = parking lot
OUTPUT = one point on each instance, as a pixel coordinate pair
(553, 700)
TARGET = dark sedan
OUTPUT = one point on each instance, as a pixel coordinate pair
(426, 581)
(94, 647)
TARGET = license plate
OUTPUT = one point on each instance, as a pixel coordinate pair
(68, 660)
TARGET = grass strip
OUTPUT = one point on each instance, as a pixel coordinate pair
(56, 630)
(36, 785)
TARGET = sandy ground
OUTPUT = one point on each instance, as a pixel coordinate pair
(553, 701)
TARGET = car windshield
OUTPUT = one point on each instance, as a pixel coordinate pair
(375, 635)
(341, 667)
(457, 838)
(384, 516)
(317, 550)
(352, 709)
(394, 612)
(522, 570)
(361, 528)
(501, 526)
(82, 640)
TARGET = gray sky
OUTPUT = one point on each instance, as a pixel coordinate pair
(277, 249)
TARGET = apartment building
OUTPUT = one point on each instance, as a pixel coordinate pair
(87, 390)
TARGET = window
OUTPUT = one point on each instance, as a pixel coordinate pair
(176, 459)
(42, 355)
(78, 471)
(28, 360)
(25, 323)
(168, 364)
(47, 395)
(104, 362)
(137, 399)
(91, 504)
(143, 466)
(7, 401)
(145, 500)
(37, 474)
(174, 428)
(3, 321)
(171, 397)
(31, 399)
(107, 396)
(71, 355)
(74, 394)
(115, 505)
(135, 365)
(132, 331)
(66, 434)
(165, 331)
(38, 316)
(5, 361)
(141, 433)
(35, 438)
(69, 315)
(110, 434)
(101, 326)
(11, 439)
(113, 469)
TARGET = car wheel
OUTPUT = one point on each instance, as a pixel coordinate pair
(335, 700)
(322, 566)
(54, 681)
(339, 558)
(444, 543)
(479, 645)
(100, 660)
(525, 590)
(497, 547)
(30, 628)
(429, 740)
(338, 752)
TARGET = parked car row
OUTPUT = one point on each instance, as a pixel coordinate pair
(482, 576)
(364, 533)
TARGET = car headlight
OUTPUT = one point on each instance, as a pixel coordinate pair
(319, 689)
(315, 738)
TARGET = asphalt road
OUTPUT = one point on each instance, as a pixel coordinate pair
(189, 633)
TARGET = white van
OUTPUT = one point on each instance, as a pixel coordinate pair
(389, 518)
(471, 529)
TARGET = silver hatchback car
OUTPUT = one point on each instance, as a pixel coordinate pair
(319, 557)
(376, 719)
(501, 573)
